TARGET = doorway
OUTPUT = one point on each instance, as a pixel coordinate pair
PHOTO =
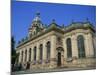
(59, 59)
(28, 65)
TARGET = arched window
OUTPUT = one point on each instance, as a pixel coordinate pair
(69, 48)
(35, 54)
(48, 51)
(25, 55)
(30, 54)
(81, 48)
(19, 56)
(22, 57)
(41, 51)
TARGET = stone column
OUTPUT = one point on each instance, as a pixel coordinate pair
(19, 59)
(32, 54)
(65, 50)
(86, 42)
(53, 49)
(74, 46)
(44, 52)
(89, 45)
(94, 43)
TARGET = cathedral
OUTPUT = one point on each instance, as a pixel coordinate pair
(53, 46)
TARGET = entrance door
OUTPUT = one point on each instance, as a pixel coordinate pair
(28, 65)
(59, 59)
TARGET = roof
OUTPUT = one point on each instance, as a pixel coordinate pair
(60, 29)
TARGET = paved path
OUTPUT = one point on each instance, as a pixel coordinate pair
(49, 70)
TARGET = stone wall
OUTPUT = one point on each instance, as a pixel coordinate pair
(52, 37)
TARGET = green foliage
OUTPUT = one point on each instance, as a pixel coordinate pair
(13, 52)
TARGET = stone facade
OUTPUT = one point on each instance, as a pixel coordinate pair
(57, 37)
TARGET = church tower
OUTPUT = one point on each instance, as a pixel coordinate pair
(36, 25)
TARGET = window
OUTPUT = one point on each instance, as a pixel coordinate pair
(19, 56)
(41, 52)
(25, 55)
(69, 48)
(30, 54)
(35, 54)
(22, 57)
(81, 48)
(48, 51)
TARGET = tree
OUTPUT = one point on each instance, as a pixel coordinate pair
(13, 52)
(12, 46)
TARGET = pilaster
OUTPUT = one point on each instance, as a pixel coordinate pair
(19, 59)
(89, 43)
(74, 46)
(32, 53)
(87, 49)
(38, 53)
(44, 51)
(53, 50)
(65, 50)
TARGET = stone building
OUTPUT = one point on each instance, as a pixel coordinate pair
(51, 46)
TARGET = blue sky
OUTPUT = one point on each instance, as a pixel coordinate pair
(22, 14)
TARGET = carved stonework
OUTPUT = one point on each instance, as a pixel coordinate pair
(59, 42)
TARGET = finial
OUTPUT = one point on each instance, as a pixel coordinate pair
(87, 20)
(53, 24)
(46, 25)
(53, 20)
(19, 42)
(38, 13)
(37, 17)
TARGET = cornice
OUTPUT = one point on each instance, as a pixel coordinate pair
(55, 28)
